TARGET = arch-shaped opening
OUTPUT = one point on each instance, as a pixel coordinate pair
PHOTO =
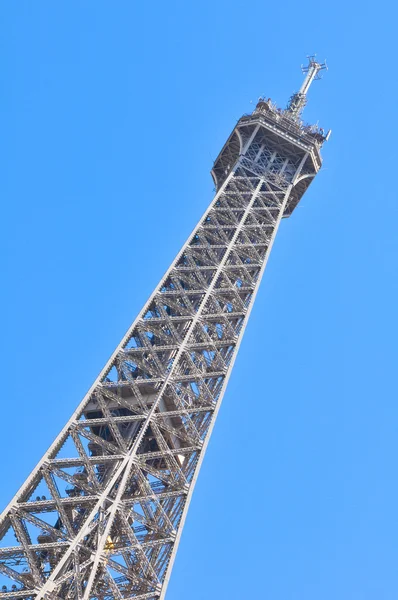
(227, 159)
(298, 190)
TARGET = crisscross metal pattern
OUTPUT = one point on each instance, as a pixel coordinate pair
(101, 515)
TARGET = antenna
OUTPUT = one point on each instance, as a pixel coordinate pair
(299, 99)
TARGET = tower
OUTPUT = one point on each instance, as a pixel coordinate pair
(101, 515)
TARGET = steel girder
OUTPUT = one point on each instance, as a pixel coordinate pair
(101, 515)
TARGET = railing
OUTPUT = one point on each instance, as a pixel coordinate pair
(311, 134)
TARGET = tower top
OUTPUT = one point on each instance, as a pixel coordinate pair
(299, 99)
(289, 119)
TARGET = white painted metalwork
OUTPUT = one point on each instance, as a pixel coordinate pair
(298, 100)
(101, 515)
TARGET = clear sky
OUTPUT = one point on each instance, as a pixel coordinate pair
(112, 113)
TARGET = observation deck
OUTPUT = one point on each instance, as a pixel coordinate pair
(283, 133)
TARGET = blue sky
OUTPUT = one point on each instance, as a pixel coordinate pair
(112, 114)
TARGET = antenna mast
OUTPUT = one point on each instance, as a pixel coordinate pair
(299, 99)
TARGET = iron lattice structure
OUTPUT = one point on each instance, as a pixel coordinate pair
(101, 515)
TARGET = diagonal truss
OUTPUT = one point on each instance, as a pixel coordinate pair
(101, 515)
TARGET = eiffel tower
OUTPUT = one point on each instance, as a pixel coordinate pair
(101, 515)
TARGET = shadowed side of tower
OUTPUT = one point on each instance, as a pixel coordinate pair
(101, 515)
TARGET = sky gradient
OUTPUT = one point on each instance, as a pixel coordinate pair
(112, 115)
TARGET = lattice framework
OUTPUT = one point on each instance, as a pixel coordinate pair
(101, 515)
